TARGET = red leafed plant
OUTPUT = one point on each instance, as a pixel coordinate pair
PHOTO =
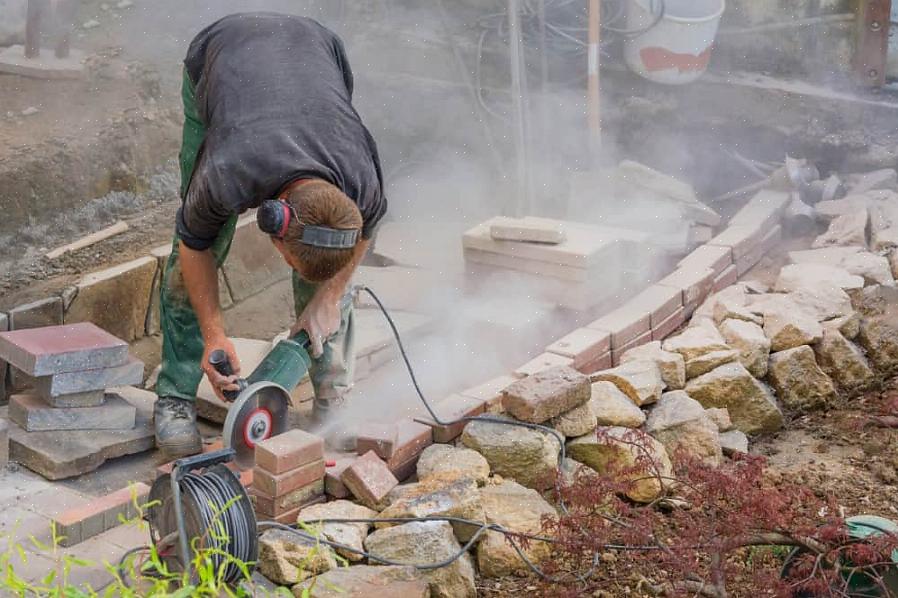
(717, 532)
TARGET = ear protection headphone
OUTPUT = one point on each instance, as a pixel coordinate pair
(274, 216)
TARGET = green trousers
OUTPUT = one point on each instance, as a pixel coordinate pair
(182, 341)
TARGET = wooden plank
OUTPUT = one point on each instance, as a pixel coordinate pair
(91, 239)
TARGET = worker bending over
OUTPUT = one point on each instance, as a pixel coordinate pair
(268, 115)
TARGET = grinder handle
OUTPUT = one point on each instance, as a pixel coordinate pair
(219, 360)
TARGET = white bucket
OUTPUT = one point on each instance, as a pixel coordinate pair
(677, 48)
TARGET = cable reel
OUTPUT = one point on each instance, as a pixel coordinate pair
(202, 506)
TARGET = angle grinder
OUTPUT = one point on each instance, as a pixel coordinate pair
(259, 409)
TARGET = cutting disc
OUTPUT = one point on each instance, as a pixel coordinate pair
(260, 412)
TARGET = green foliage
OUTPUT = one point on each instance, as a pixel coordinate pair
(143, 573)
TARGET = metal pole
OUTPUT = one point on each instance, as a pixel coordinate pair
(523, 203)
(592, 85)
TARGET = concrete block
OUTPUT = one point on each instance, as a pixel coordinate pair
(383, 439)
(694, 284)
(452, 408)
(117, 298)
(661, 301)
(84, 381)
(369, 479)
(765, 209)
(44, 312)
(713, 257)
(61, 349)
(91, 398)
(583, 345)
(670, 325)
(490, 392)
(289, 450)
(547, 394)
(57, 456)
(253, 263)
(287, 503)
(273, 486)
(624, 323)
(726, 278)
(333, 484)
(616, 354)
(541, 363)
(35, 415)
(527, 229)
(741, 239)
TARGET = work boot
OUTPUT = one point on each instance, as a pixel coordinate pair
(175, 422)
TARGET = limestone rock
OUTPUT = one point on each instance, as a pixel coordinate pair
(826, 255)
(671, 365)
(880, 340)
(893, 262)
(751, 405)
(680, 423)
(839, 207)
(885, 178)
(640, 380)
(787, 330)
(842, 360)
(709, 361)
(849, 326)
(421, 542)
(518, 509)
(439, 497)
(624, 451)
(287, 558)
(798, 380)
(695, 342)
(721, 418)
(846, 230)
(365, 581)
(822, 300)
(528, 456)
(728, 310)
(885, 239)
(576, 422)
(614, 408)
(545, 394)
(446, 461)
(350, 534)
(733, 442)
(735, 295)
(795, 276)
(874, 269)
(751, 342)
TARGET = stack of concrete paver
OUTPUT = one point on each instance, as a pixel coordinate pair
(72, 366)
(289, 475)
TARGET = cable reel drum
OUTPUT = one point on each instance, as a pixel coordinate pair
(201, 505)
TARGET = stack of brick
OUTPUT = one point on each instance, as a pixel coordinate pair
(398, 444)
(288, 475)
(71, 368)
(85, 521)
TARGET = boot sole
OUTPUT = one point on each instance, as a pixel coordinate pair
(182, 449)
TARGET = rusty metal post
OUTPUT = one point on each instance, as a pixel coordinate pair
(593, 65)
(33, 28)
(872, 43)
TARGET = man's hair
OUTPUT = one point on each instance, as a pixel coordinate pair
(318, 203)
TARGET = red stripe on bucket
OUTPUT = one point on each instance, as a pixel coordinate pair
(662, 59)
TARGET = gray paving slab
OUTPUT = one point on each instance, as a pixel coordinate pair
(84, 381)
(43, 312)
(59, 349)
(91, 398)
(36, 415)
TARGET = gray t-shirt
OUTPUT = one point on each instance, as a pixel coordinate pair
(275, 95)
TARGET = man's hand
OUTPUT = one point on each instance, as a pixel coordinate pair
(219, 382)
(320, 319)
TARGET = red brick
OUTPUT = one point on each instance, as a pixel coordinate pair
(333, 485)
(661, 302)
(582, 345)
(726, 278)
(274, 507)
(694, 284)
(414, 437)
(404, 471)
(764, 246)
(451, 408)
(602, 362)
(290, 517)
(714, 257)
(60, 349)
(369, 479)
(741, 239)
(542, 362)
(616, 354)
(669, 325)
(100, 514)
(289, 450)
(272, 486)
(380, 438)
(624, 324)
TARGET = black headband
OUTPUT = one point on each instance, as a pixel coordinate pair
(274, 215)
